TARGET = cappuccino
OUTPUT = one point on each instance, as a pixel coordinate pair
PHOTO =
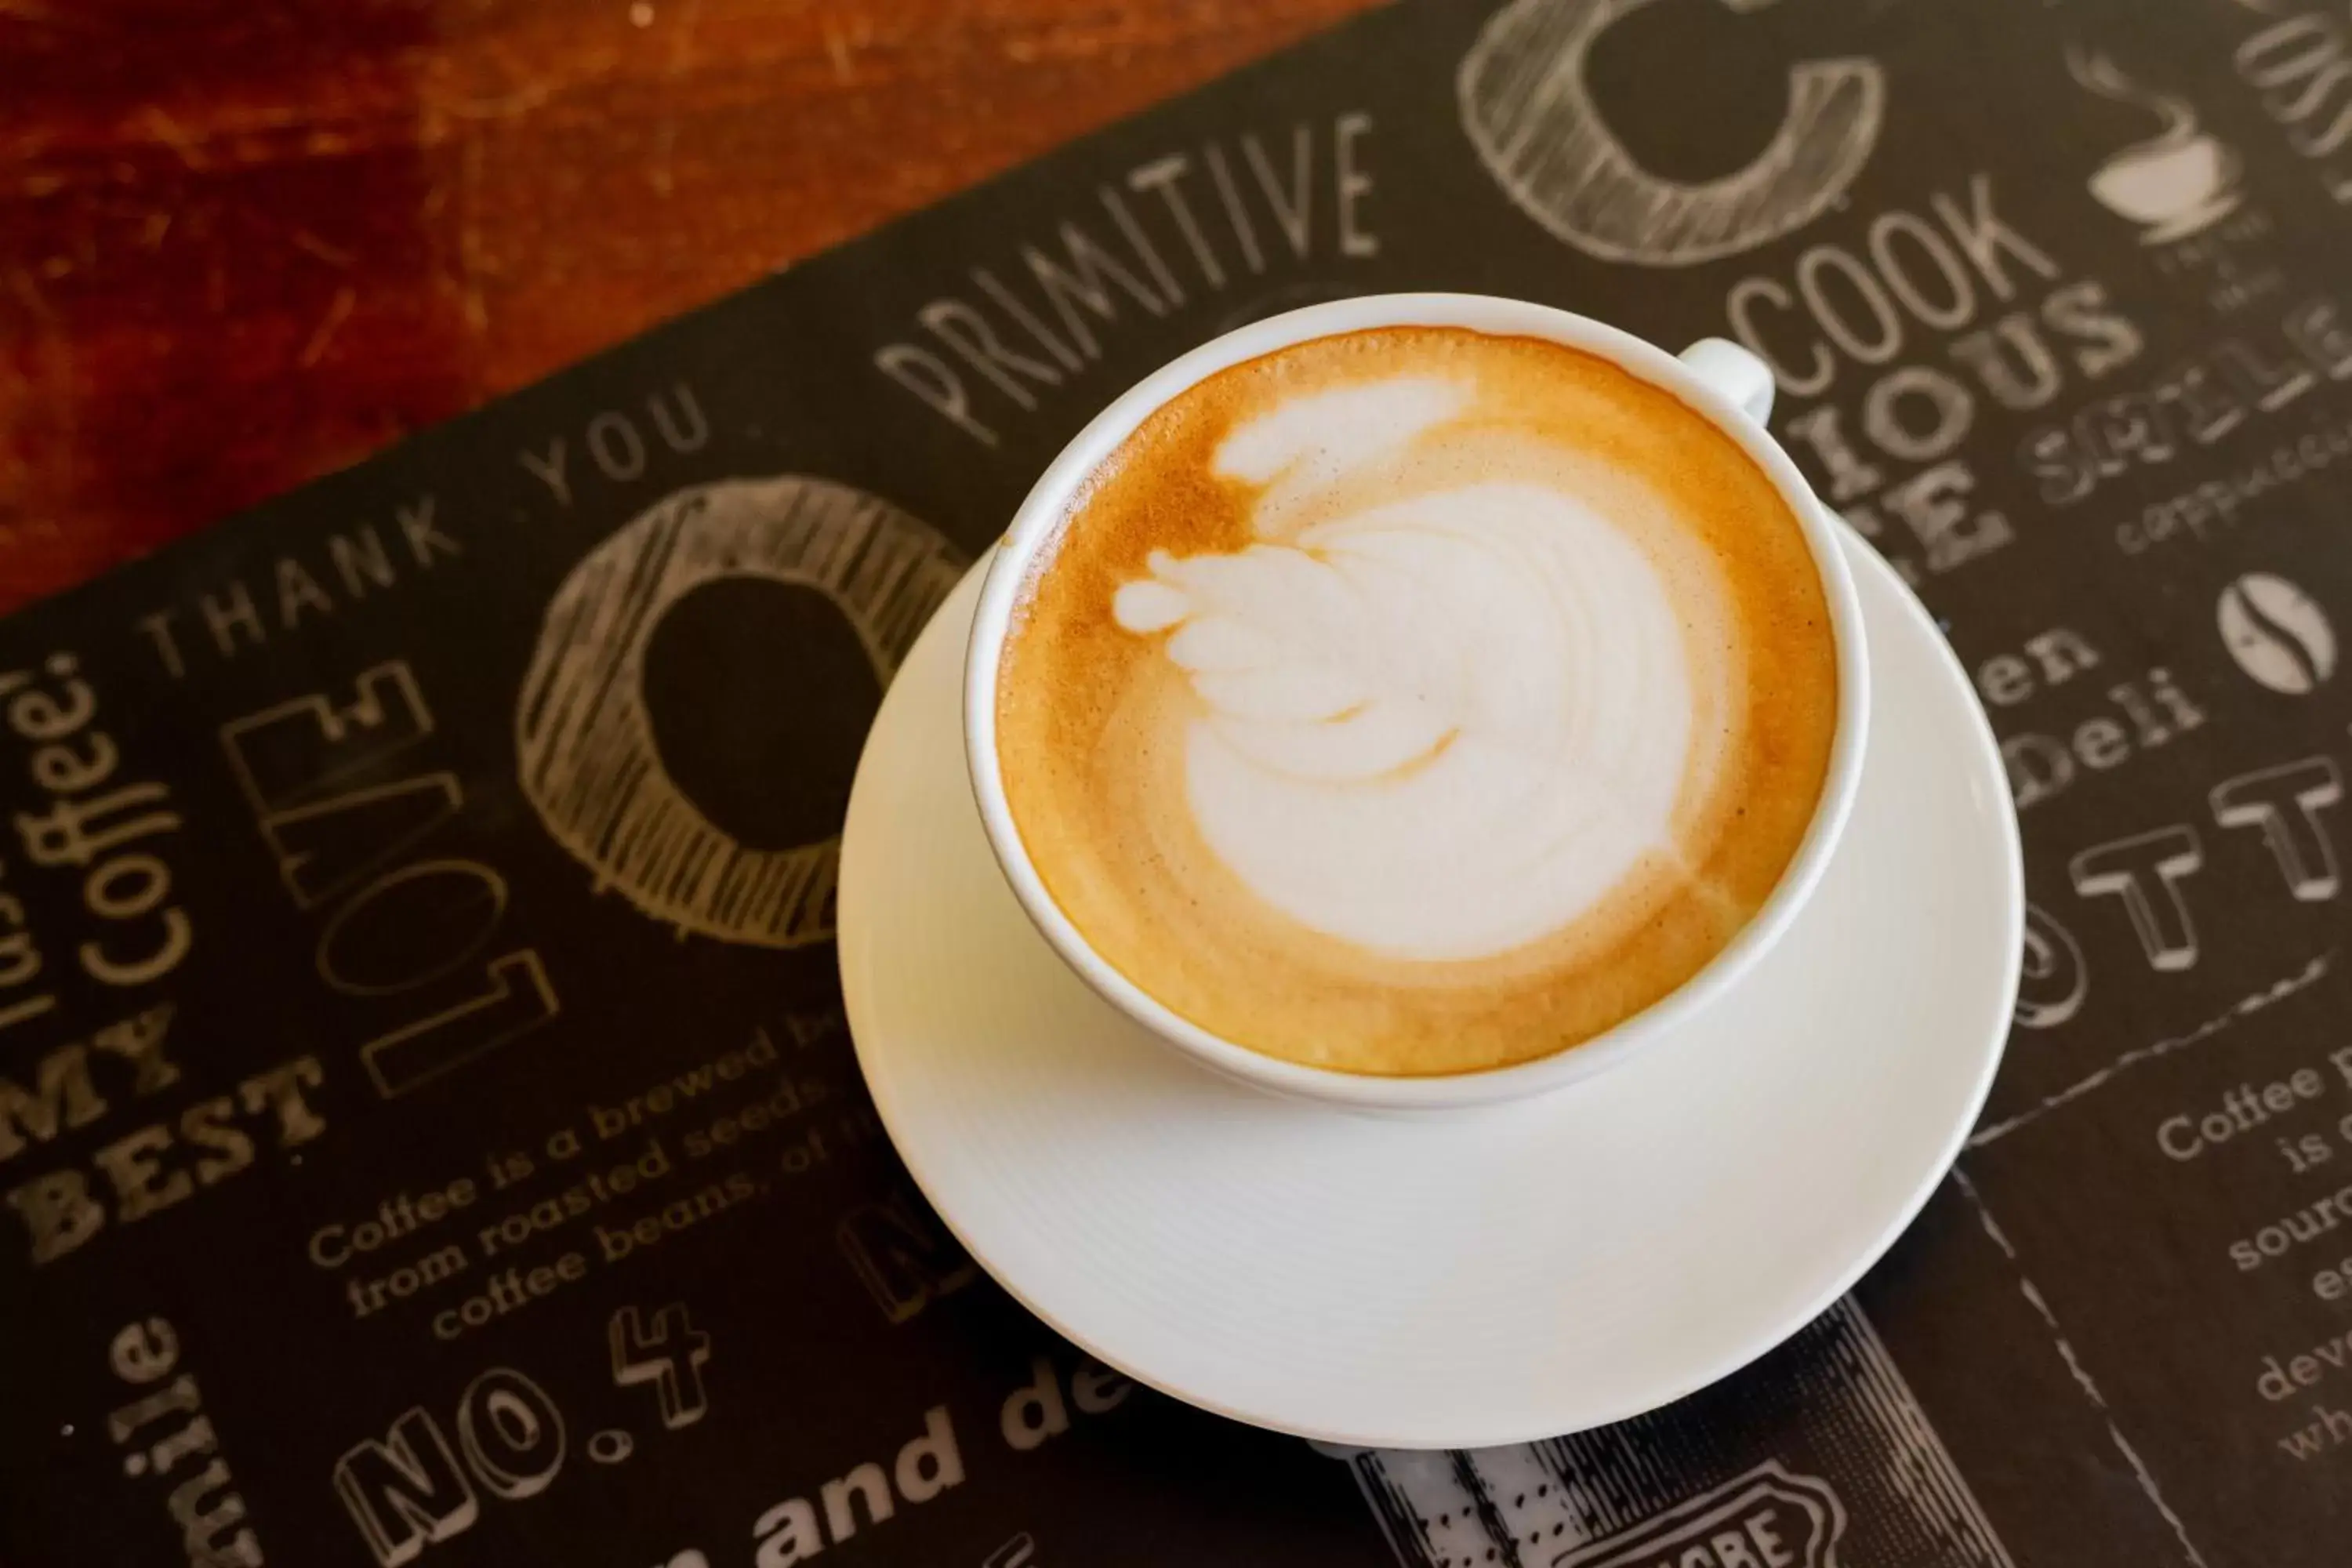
(1417, 700)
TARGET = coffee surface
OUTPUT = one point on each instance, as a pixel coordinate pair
(1418, 700)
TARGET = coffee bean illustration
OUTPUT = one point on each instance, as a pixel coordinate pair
(2277, 633)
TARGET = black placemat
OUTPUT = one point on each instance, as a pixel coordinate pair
(427, 1132)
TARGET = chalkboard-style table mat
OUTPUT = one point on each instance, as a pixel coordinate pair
(427, 1132)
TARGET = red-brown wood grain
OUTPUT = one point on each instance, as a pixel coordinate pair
(246, 242)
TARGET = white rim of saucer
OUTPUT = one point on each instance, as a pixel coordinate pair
(1964, 1104)
(1043, 508)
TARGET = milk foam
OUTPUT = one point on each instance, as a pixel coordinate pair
(1437, 728)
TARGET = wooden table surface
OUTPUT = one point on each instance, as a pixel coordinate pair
(247, 242)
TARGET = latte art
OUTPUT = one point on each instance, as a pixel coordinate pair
(1401, 702)
(1439, 729)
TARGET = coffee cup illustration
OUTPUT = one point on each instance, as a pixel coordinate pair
(2177, 183)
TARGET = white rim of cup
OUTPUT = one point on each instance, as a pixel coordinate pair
(1040, 514)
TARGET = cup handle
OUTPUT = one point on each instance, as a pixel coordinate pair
(1733, 372)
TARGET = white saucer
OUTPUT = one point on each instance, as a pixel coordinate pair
(1457, 1278)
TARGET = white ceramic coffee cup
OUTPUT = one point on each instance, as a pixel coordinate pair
(1720, 380)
